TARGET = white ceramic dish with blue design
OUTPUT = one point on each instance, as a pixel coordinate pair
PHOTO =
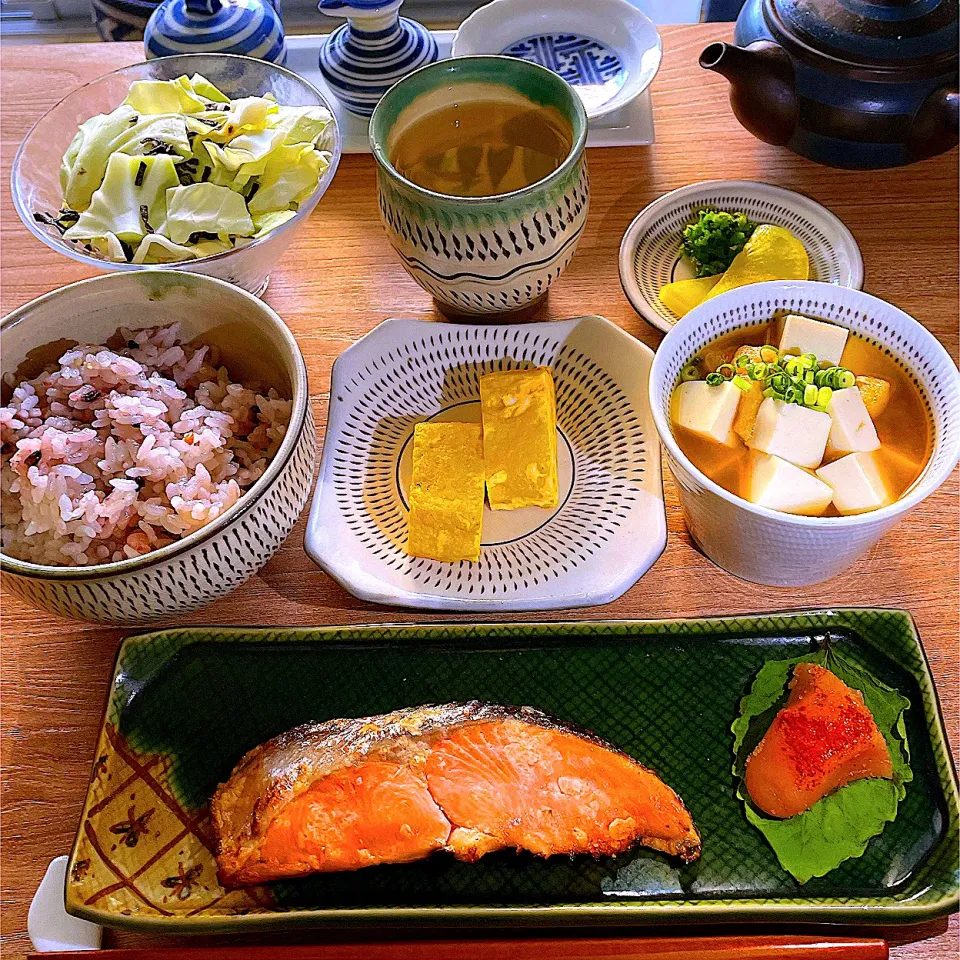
(650, 249)
(610, 526)
(608, 50)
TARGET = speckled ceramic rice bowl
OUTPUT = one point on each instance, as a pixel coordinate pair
(158, 445)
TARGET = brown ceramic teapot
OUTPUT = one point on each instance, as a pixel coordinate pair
(850, 83)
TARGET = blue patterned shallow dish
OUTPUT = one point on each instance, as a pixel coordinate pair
(585, 63)
(607, 49)
(610, 526)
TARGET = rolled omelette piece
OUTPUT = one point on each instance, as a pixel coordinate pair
(469, 778)
(446, 492)
(520, 438)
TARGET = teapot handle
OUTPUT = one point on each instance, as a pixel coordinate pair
(936, 127)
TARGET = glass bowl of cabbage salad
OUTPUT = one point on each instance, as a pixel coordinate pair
(204, 162)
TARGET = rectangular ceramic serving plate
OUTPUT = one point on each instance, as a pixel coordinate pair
(185, 705)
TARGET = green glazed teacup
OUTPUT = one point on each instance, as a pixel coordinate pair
(482, 255)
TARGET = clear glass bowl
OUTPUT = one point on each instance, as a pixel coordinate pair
(35, 179)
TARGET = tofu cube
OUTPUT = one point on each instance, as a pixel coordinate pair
(804, 335)
(780, 485)
(708, 411)
(857, 483)
(787, 430)
(852, 430)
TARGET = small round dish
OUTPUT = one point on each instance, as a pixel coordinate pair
(35, 177)
(254, 344)
(608, 50)
(650, 249)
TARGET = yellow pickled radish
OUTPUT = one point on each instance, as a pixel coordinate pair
(771, 253)
(681, 296)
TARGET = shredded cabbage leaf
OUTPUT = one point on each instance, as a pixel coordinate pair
(839, 826)
(178, 159)
(206, 208)
(131, 202)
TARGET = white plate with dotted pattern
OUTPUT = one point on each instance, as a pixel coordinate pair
(610, 526)
(650, 249)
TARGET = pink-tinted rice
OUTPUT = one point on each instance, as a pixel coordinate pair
(116, 451)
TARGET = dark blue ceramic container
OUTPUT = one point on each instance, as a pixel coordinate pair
(849, 83)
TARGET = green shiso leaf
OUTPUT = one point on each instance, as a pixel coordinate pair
(839, 826)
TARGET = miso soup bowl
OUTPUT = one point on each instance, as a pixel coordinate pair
(482, 255)
(779, 549)
(254, 344)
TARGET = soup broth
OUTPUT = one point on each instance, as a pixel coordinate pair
(482, 148)
(903, 427)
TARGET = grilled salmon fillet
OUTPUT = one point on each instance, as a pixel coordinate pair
(824, 738)
(468, 778)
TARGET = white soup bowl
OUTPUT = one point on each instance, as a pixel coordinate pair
(780, 549)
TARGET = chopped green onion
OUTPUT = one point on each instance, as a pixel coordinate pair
(769, 354)
(810, 360)
(808, 377)
(846, 379)
(715, 379)
(809, 395)
(757, 371)
(689, 372)
(726, 370)
(742, 361)
(741, 383)
(769, 392)
(823, 396)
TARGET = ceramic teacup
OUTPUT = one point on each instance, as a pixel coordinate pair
(780, 549)
(482, 255)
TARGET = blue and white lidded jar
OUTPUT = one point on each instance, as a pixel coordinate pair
(374, 49)
(251, 28)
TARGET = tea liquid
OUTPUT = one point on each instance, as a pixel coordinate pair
(482, 148)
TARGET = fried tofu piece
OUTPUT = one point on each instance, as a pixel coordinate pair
(520, 438)
(746, 418)
(875, 393)
(446, 492)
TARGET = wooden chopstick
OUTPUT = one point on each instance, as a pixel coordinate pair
(638, 948)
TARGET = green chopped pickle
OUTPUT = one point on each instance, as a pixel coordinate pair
(715, 239)
(839, 826)
(180, 171)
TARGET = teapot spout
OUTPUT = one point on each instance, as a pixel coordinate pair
(936, 127)
(762, 91)
(727, 59)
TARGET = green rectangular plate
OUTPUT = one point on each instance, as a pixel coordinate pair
(186, 704)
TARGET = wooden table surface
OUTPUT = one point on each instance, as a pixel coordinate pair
(339, 279)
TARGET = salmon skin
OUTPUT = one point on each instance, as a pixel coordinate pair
(824, 738)
(468, 778)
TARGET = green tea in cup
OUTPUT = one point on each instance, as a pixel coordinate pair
(482, 147)
(482, 180)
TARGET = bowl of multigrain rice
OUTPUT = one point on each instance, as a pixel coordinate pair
(156, 444)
